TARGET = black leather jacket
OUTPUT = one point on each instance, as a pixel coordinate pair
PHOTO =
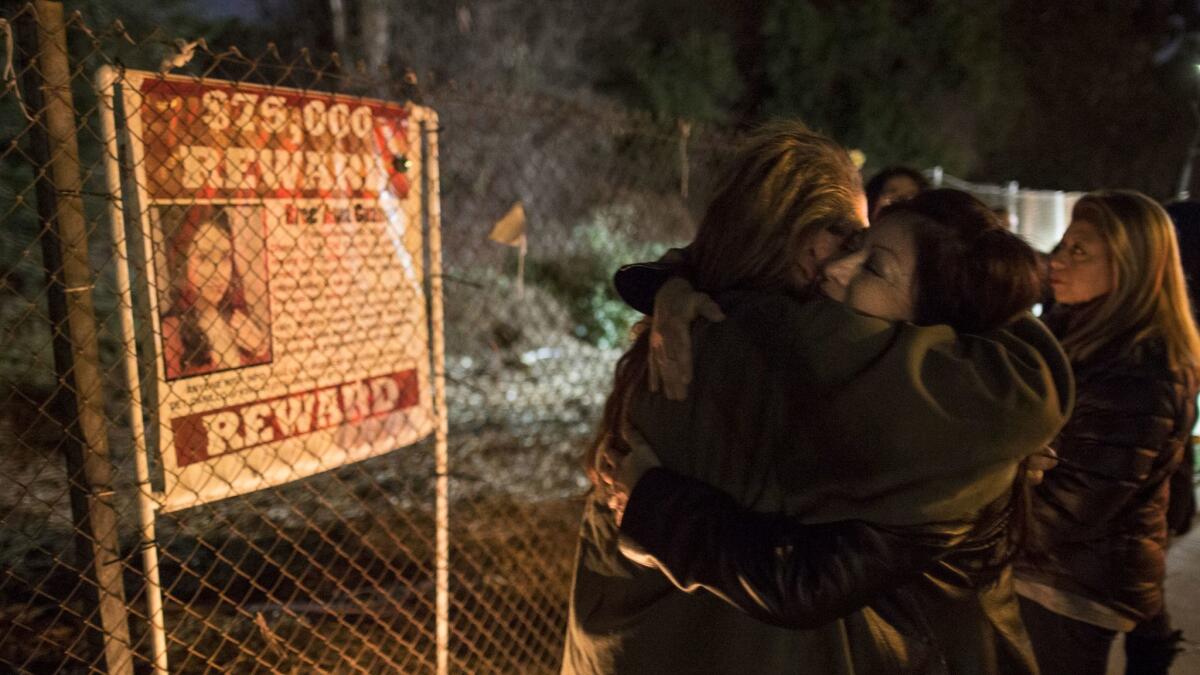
(1100, 519)
(933, 599)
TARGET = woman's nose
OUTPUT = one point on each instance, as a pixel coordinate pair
(841, 270)
(1056, 258)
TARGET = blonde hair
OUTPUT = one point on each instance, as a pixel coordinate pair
(786, 184)
(1149, 294)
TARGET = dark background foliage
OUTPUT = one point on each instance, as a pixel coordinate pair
(1067, 94)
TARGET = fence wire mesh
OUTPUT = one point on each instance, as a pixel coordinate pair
(333, 571)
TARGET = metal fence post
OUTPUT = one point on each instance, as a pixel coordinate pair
(106, 79)
(1184, 189)
(76, 351)
(1012, 193)
(431, 195)
(1062, 216)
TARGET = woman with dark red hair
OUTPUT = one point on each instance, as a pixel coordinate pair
(208, 328)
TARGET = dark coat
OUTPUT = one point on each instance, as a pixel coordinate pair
(813, 411)
(936, 598)
(1099, 520)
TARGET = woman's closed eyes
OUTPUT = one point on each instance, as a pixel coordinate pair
(874, 274)
(839, 230)
(872, 266)
(883, 263)
(855, 240)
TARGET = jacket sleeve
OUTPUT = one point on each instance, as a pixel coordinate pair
(1120, 439)
(909, 411)
(1014, 379)
(638, 283)
(772, 568)
(1182, 507)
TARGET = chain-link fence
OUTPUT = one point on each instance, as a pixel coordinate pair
(262, 299)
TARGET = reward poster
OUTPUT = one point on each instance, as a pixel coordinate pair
(283, 243)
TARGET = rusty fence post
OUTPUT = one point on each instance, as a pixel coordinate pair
(431, 210)
(80, 396)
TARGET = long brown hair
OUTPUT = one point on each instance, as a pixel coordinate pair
(971, 272)
(1149, 293)
(974, 275)
(785, 184)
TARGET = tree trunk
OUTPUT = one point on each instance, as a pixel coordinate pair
(373, 29)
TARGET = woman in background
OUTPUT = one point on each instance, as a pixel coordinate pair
(1095, 561)
(891, 185)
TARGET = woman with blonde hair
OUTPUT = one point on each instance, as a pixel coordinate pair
(784, 414)
(1095, 561)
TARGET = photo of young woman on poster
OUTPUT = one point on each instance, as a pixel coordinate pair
(212, 319)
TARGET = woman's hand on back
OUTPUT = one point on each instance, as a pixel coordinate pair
(1037, 464)
(676, 306)
(620, 473)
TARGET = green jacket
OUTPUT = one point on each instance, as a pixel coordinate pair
(810, 409)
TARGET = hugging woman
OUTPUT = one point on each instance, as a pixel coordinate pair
(896, 437)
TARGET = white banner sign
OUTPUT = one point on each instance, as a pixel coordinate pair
(283, 243)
